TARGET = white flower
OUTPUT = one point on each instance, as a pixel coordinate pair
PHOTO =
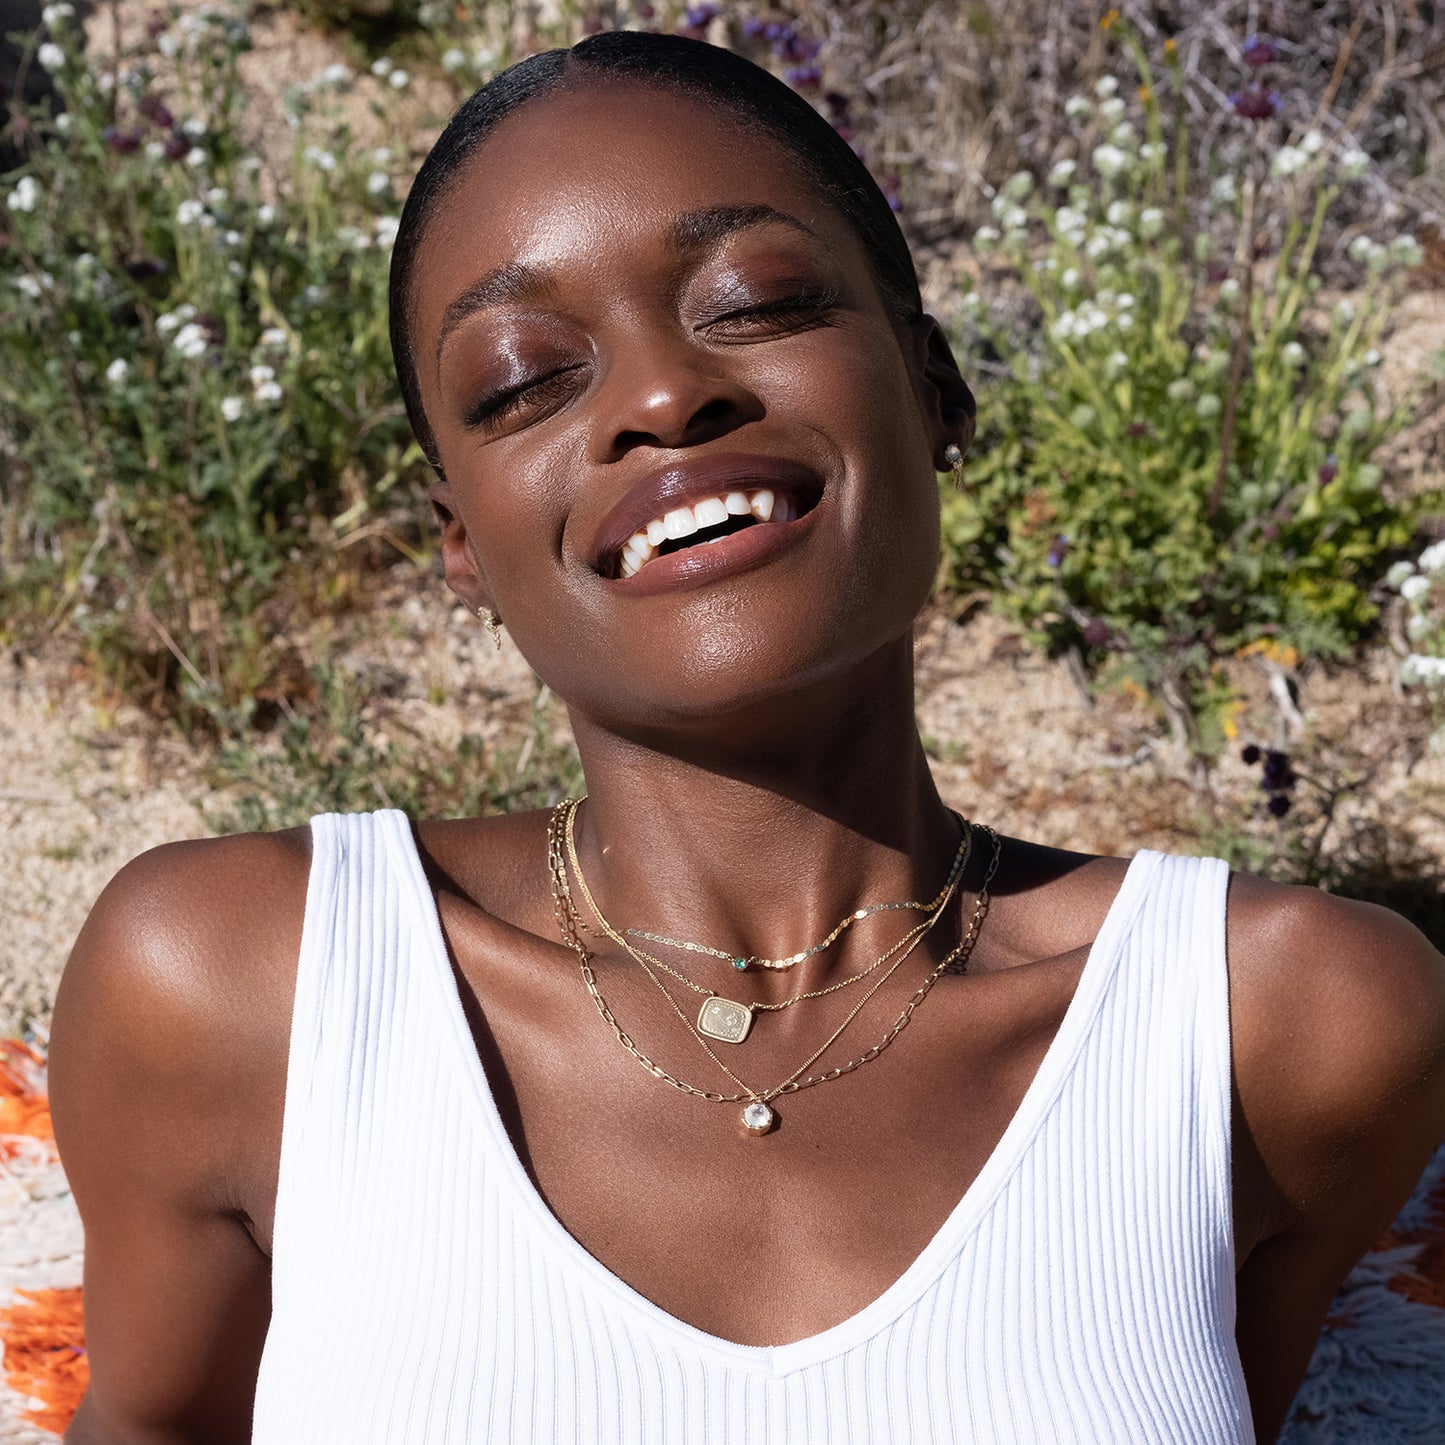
(84, 263)
(272, 336)
(51, 56)
(1098, 245)
(1397, 574)
(1116, 362)
(323, 160)
(1083, 416)
(381, 67)
(1372, 357)
(1361, 249)
(249, 164)
(453, 59)
(1065, 325)
(105, 82)
(1206, 407)
(1070, 278)
(484, 58)
(1224, 190)
(232, 407)
(1066, 218)
(1180, 390)
(189, 213)
(117, 371)
(190, 341)
(1063, 172)
(1119, 213)
(1151, 222)
(196, 157)
(1312, 143)
(1289, 161)
(1417, 626)
(385, 229)
(1353, 163)
(986, 237)
(1432, 559)
(1078, 108)
(172, 319)
(52, 15)
(1106, 86)
(1018, 185)
(265, 215)
(1111, 109)
(1344, 311)
(1228, 289)
(1109, 161)
(1407, 251)
(377, 182)
(168, 45)
(1151, 151)
(194, 127)
(1015, 218)
(1419, 667)
(217, 196)
(1292, 353)
(63, 122)
(231, 238)
(269, 391)
(1414, 587)
(28, 286)
(399, 79)
(337, 75)
(1126, 302)
(25, 196)
(260, 374)
(1124, 321)
(154, 150)
(382, 156)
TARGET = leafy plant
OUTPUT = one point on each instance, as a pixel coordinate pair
(1179, 448)
(1421, 584)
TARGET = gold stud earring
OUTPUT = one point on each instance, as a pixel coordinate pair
(492, 623)
(953, 456)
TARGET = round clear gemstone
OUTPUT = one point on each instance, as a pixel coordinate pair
(757, 1117)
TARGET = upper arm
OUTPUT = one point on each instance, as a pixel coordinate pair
(1338, 1022)
(163, 1053)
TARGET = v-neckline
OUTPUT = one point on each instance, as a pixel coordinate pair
(775, 1360)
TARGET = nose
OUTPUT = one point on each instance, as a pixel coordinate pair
(667, 392)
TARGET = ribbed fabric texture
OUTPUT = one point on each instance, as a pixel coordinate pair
(1081, 1291)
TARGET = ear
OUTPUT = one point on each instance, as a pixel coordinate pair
(460, 565)
(948, 404)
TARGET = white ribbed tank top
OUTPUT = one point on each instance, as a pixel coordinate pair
(1081, 1291)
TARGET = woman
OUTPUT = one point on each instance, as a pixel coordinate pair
(523, 1148)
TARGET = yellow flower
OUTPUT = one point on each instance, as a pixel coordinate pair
(1107, 23)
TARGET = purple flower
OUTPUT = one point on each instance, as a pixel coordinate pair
(1096, 633)
(1255, 104)
(803, 77)
(177, 146)
(889, 185)
(156, 112)
(698, 17)
(122, 142)
(1278, 777)
(145, 268)
(1137, 429)
(1260, 50)
(1278, 805)
(1249, 754)
(1058, 551)
(1329, 471)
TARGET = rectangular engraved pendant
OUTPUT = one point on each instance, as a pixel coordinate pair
(721, 1018)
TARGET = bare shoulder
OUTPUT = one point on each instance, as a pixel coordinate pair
(185, 969)
(1338, 1021)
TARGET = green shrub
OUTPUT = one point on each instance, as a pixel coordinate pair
(197, 383)
(1178, 454)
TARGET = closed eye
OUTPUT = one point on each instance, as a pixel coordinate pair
(537, 394)
(785, 316)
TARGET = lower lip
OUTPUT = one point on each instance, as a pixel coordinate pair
(712, 561)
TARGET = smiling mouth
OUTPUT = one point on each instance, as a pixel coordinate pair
(708, 520)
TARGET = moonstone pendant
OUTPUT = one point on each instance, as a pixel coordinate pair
(758, 1118)
(721, 1018)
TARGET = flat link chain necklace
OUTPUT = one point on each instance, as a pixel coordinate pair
(758, 1117)
(743, 962)
(725, 1019)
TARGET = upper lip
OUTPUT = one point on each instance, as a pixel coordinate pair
(689, 480)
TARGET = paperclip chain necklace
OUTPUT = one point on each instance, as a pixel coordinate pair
(743, 962)
(758, 1117)
(725, 1019)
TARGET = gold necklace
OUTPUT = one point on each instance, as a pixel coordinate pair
(758, 1117)
(744, 962)
(726, 1019)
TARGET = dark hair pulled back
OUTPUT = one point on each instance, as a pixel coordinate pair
(694, 68)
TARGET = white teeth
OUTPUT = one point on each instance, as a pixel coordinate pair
(643, 545)
(680, 523)
(710, 512)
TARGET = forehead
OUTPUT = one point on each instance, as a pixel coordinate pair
(595, 174)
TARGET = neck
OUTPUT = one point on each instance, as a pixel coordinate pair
(756, 838)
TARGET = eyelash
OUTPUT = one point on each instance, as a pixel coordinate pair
(496, 406)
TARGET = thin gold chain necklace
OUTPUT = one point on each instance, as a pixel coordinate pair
(743, 962)
(725, 1019)
(758, 1117)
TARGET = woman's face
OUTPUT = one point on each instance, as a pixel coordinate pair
(637, 327)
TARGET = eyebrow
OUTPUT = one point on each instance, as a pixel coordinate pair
(693, 231)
